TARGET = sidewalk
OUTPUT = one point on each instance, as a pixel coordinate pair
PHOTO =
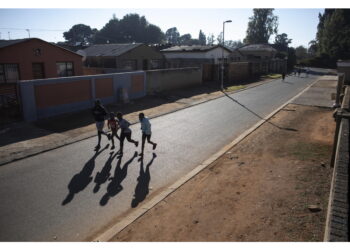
(24, 139)
(272, 186)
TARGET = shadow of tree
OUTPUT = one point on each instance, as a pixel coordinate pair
(114, 187)
(82, 179)
(142, 187)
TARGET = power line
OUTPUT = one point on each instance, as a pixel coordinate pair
(31, 29)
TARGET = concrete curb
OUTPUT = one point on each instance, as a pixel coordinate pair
(89, 135)
(119, 226)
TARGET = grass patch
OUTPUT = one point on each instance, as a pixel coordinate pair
(307, 151)
(272, 76)
(233, 88)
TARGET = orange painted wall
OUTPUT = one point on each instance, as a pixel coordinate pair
(23, 55)
(62, 93)
(104, 87)
(137, 83)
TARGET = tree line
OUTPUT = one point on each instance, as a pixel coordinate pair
(332, 40)
(135, 28)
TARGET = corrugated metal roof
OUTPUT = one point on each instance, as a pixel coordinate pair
(109, 49)
(256, 47)
(192, 48)
(5, 43)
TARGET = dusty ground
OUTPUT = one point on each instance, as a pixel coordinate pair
(259, 190)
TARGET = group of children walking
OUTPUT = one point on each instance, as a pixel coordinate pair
(116, 122)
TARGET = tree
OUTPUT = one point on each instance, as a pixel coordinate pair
(333, 34)
(79, 34)
(234, 44)
(210, 39)
(301, 52)
(219, 38)
(202, 38)
(282, 41)
(172, 36)
(261, 26)
(185, 39)
(131, 28)
(313, 47)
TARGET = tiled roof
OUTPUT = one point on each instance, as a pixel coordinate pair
(109, 49)
(5, 43)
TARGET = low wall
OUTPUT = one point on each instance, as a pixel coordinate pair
(337, 225)
(344, 67)
(49, 97)
(238, 71)
(170, 79)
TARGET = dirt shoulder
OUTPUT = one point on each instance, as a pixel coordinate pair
(259, 190)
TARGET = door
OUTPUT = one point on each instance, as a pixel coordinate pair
(145, 64)
(38, 71)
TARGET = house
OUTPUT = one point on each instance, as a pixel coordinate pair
(122, 57)
(253, 52)
(194, 55)
(261, 57)
(33, 58)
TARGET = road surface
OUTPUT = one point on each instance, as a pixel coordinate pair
(70, 193)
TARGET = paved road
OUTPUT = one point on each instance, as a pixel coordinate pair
(70, 193)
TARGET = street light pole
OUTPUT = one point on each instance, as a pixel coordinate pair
(222, 58)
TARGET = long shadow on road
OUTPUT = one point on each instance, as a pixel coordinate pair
(82, 179)
(102, 176)
(142, 187)
(114, 187)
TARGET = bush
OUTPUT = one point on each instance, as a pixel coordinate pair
(322, 61)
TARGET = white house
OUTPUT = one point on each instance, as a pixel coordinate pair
(194, 55)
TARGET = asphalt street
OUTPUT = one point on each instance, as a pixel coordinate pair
(71, 193)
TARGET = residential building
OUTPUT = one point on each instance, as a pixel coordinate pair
(195, 55)
(33, 58)
(261, 58)
(122, 57)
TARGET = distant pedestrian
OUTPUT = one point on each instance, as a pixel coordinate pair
(283, 75)
(299, 71)
(125, 132)
(113, 125)
(99, 112)
(146, 132)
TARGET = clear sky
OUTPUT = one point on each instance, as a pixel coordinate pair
(50, 23)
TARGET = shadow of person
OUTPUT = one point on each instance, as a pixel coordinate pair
(82, 179)
(142, 189)
(102, 177)
(114, 187)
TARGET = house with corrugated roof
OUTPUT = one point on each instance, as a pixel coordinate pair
(262, 58)
(33, 58)
(122, 57)
(253, 52)
(195, 55)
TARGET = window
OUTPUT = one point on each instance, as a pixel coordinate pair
(9, 73)
(129, 65)
(64, 69)
(156, 64)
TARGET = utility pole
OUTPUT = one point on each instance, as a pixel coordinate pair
(28, 32)
(222, 59)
